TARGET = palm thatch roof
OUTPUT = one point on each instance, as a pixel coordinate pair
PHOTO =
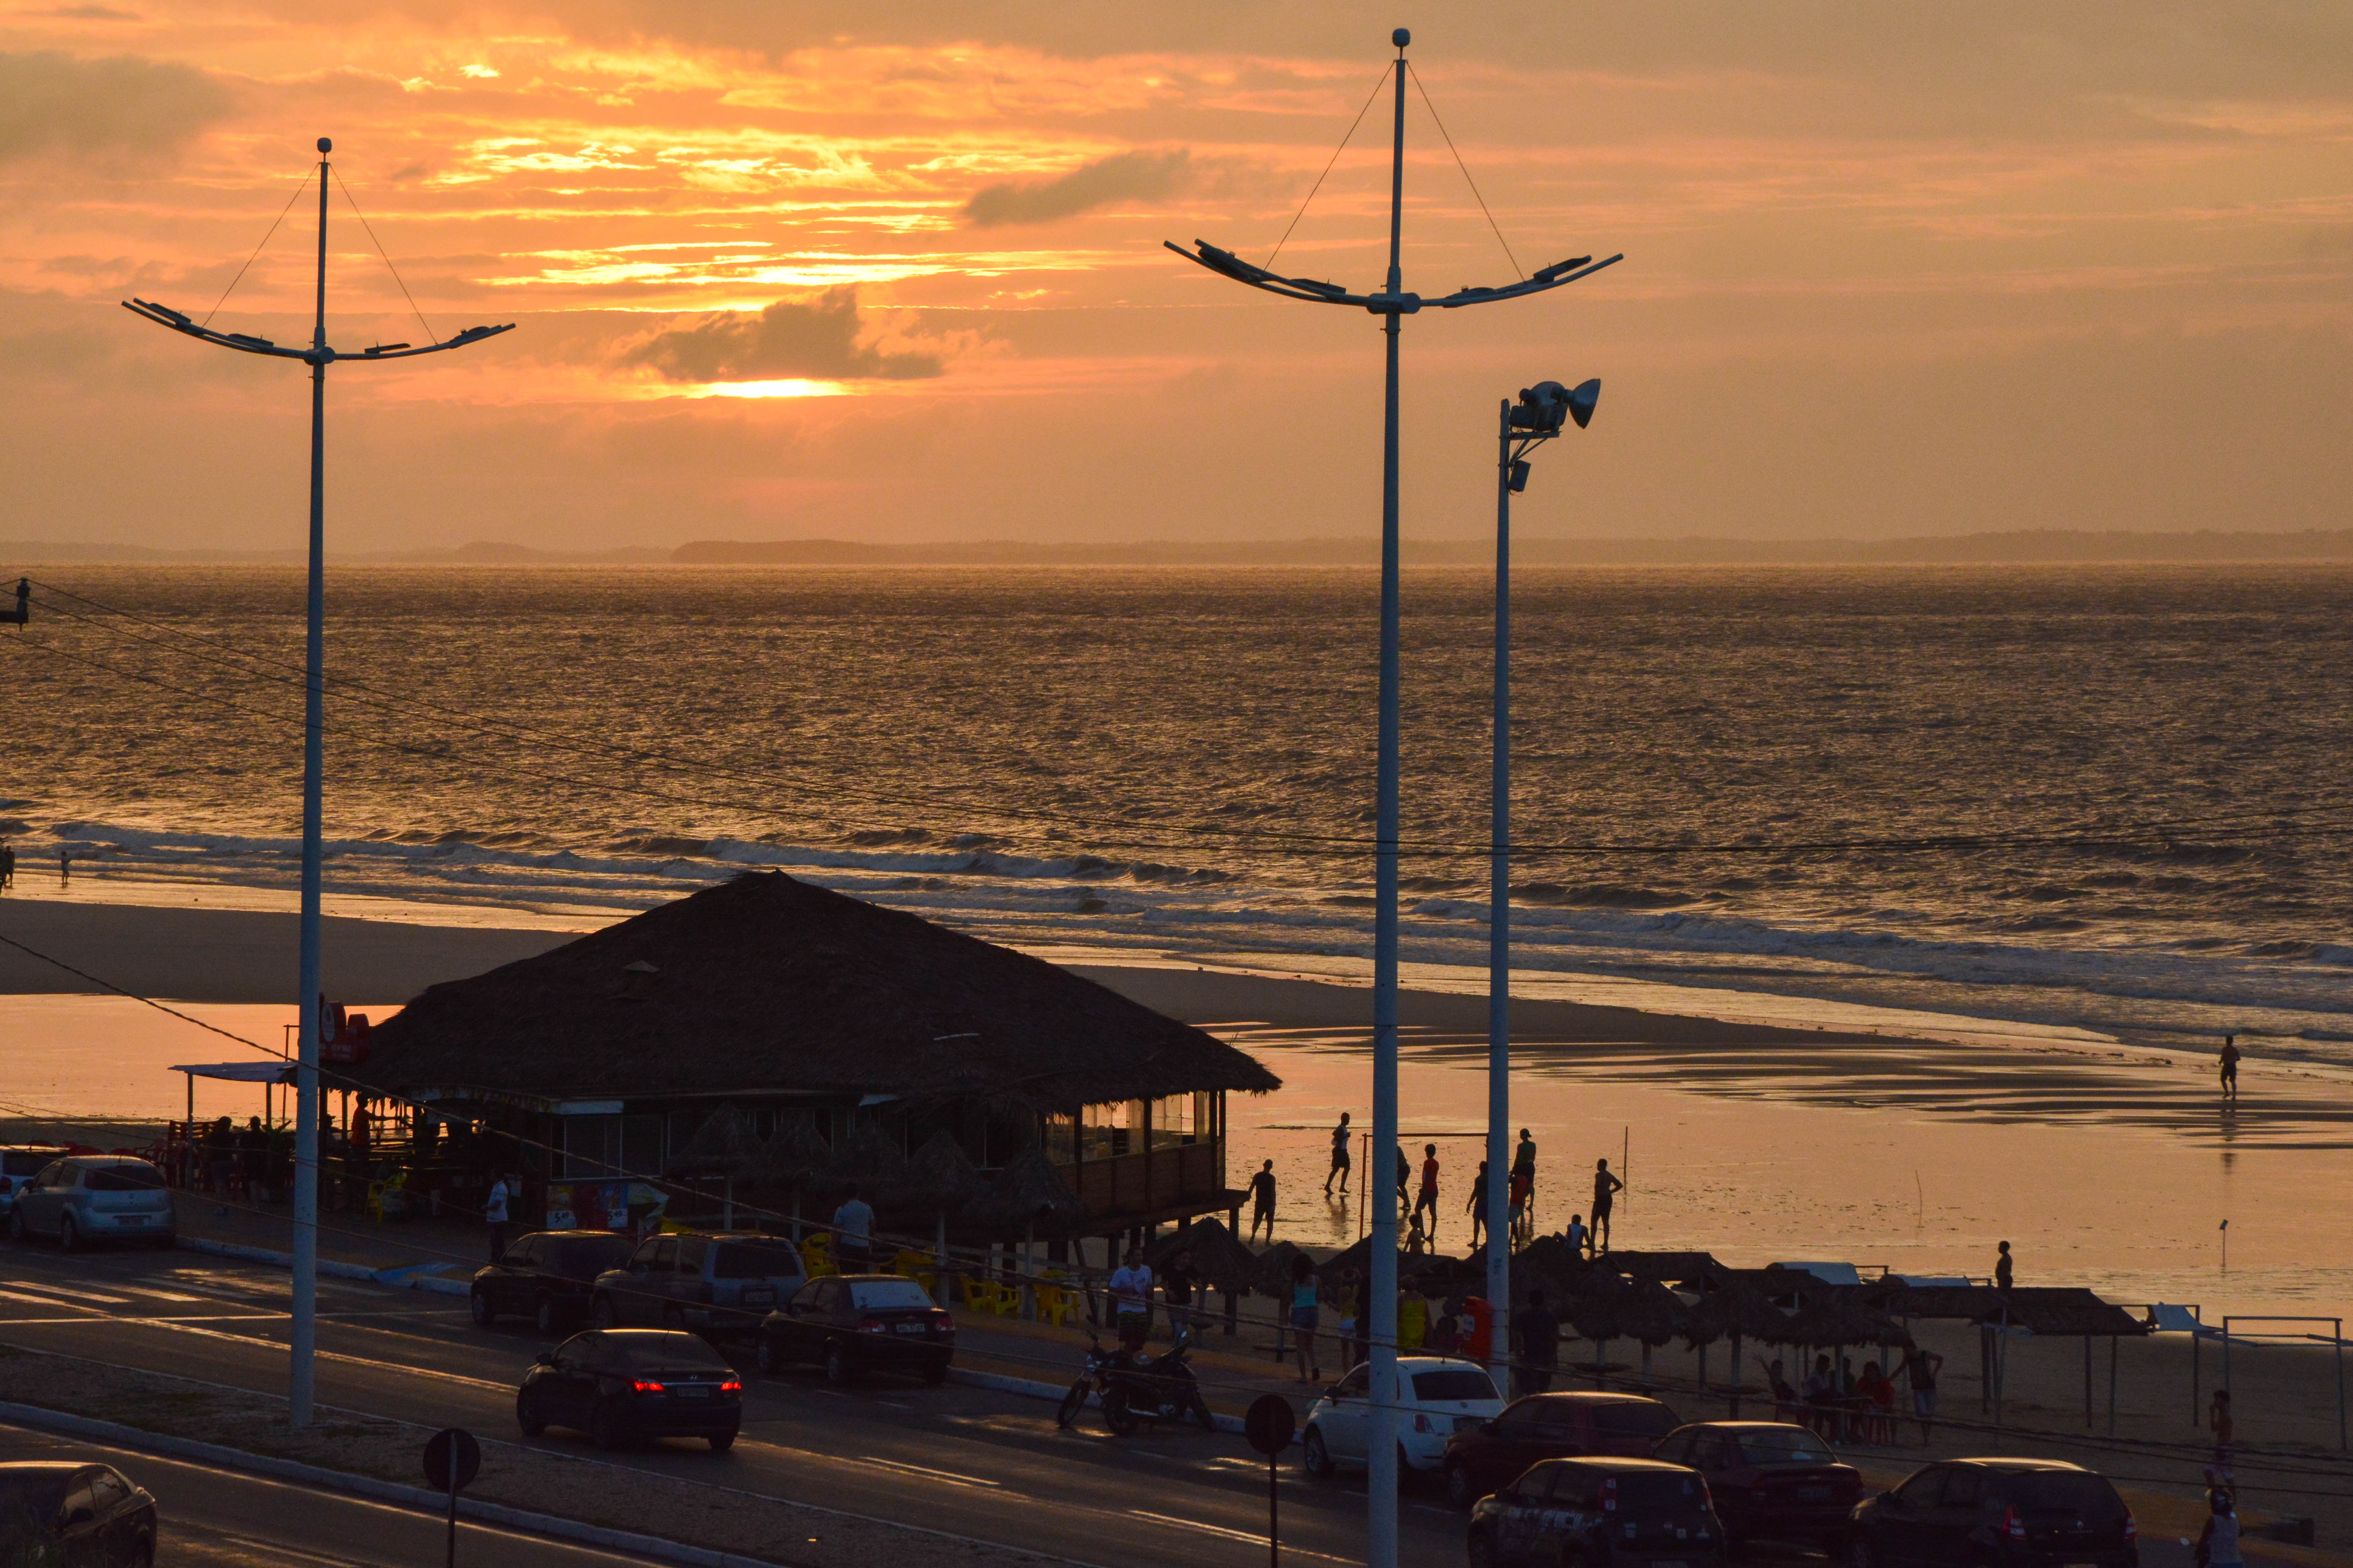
(1694, 1270)
(724, 1145)
(1216, 1257)
(1274, 1266)
(1839, 1317)
(769, 985)
(2065, 1310)
(1649, 1311)
(1739, 1309)
(1026, 1194)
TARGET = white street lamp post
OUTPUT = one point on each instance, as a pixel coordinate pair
(318, 357)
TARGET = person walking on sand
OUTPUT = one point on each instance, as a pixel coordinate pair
(1920, 1368)
(1606, 1188)
(2230, 1064)
(1341, 1137)
(1405, 1182)
(1477, 1207)
(2003, 1269)
(1263, 1201)
(1524, 1187)
(7, 865)
(1427, 1198)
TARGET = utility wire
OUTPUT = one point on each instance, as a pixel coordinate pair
(1466, 170)
(1327, 167)
(430, 336)
(303, 185)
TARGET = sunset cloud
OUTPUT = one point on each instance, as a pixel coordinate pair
(812, 339)
(1123, 177)
(53, 102)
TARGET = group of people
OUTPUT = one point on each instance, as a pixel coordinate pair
(1842, 1405)
(1419, 1203)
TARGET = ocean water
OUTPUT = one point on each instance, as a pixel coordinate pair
(2108, 800)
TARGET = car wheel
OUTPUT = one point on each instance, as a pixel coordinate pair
(1072, 1403)
(16, 1232)
(478, 1307)
(602, 1315)
(720, 1441)
(1204, 1415)
(143, 1554)
(765, 1356)
(605, 1428)
(1315, 1457)
(527, 1415)
(837, 1370)
(1118, 1415)
(543, 1314)
(1482, 1552)
(69, 1234)
(1859, 1554)
(1460, 1490)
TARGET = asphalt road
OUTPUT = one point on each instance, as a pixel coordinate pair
(224, 1518)
(987, 1465)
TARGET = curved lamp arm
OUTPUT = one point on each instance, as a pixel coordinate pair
(1226, 264)
(244, 342)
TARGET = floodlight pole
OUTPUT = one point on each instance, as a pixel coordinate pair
(1391, 304)
(309, 999)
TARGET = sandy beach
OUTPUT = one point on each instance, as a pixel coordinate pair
(2105, 1165)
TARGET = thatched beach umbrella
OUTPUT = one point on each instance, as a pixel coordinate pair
(724, 1146)
(1593, 1312)
(1274, 1276)
(941, 1179)
(1739, 1311)
(1025, 1195)
(1649, 1312)
(794, 1156)
(1218, 1259)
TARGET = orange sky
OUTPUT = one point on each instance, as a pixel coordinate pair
(893, 272)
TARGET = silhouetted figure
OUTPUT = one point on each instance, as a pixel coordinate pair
(7, 866)
(2003, 1269)
(1340, 1140)
(1539, 1335)
(1427, 1197)
(1263, 1201)
(1477, 1207)
(65, 864)
(1579, 1238)
(1524, 1187)
(1302, 1317)
(2230, 1063)
(1404, 1180)
(1606, 1188)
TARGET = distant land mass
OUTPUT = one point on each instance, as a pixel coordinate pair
(2045, 546)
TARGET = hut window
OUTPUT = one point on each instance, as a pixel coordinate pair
(1107, 1129)
(1060, 1143)
(1175, 1120)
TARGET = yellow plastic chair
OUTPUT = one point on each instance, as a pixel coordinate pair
(1057, 1304)
(816, 1256)
(917, 1266)
(994, 1297)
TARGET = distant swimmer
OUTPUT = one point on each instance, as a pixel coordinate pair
(2230, 1067)
(1341, 1137)
(1606, 1188)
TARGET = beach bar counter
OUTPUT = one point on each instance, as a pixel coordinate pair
(744, 1054)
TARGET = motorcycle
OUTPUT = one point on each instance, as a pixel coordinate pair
(1133, 1389)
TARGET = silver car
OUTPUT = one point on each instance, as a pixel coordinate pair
(93, 1197)
(19, 1164)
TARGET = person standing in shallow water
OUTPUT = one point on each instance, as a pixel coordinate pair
(2003, 1269)
(1340, 1137)
(2230, 1065)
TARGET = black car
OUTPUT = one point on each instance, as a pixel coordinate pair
(1770, 1481)
(547, 1277)
(1977, 1513)
(1598, 1512)
(76, 1513)
(1484, 1455)
(624, 1385)
(856, 1323)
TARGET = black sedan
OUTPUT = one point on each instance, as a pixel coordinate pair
(855, 1323)
(63, 1512)
(546, 1277)
(1605, 1513)
(625, 1386)
(1770, 1481)
(1997, 1513)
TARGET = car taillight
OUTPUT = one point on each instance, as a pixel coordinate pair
(2132, 1526)
(642, 1387)
(873, 1326)
(731, 1386)
(1610, 1495)
(945, 1323)
(2013, 1524)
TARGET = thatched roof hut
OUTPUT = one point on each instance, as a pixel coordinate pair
(2065, 1310)
(1738, 1311)
(1691, 1271)
(1216, 1257)
(766, 983)
(1649, 1311)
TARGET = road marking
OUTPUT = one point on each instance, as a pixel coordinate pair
(1241, 1535)
(949, 1476)
(182, 1326)
(43, 1300)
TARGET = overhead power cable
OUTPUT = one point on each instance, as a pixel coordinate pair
(1466, 170)
(1327, 167)
(430, 336)
(303, 185)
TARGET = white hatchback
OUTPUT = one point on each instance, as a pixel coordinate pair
(1434, 1395)
(92, 1197)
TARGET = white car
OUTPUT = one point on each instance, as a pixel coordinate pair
(94, 1197)
(1434, 1395)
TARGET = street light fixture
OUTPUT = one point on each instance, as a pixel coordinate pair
(1392, 304)
(1543, 412)
(318, 357)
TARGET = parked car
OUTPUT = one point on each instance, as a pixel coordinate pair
(624, 1385)
(85, 1198)
(1436, 1397)
(1482, 1456)
(68, 1511)
(2018, 1513)
(716, 1283)
(856, 1323)
(1600, 1513)
(549, 1277)
(19, 1164)
(1771, 1481)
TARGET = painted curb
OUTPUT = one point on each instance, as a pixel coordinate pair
(367, 1486)
(403, 1278)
